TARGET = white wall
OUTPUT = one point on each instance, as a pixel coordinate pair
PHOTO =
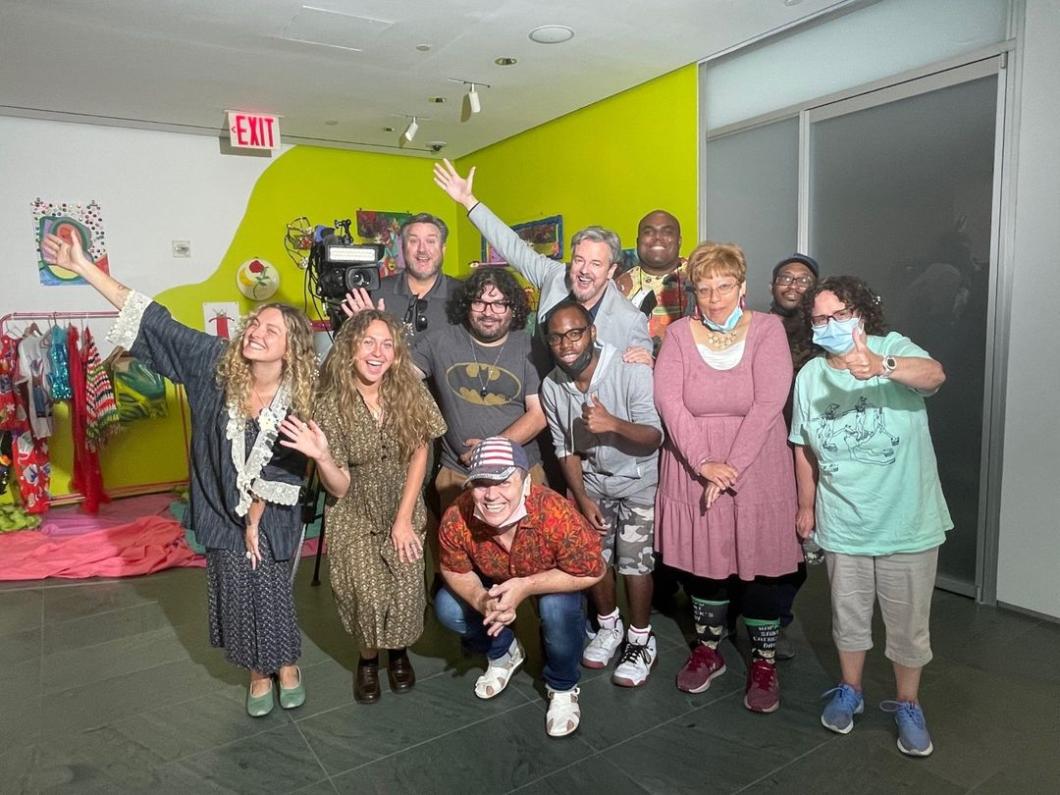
(1029, 553)
(153, 187)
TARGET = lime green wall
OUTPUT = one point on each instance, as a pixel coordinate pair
(608, 164)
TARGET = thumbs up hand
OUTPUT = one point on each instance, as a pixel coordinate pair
(597, 419)
(862, 363)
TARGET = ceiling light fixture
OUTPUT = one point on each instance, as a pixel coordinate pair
(551, 34)
(506, 61)
(474, 103)
(472, 99)
(410, 131)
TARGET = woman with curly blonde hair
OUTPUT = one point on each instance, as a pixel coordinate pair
(244, 488)
(376, 420)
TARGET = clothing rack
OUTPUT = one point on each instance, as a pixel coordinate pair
(124, 491)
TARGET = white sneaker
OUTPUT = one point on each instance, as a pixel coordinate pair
(635, 664)
(603, 647)
(564, 714)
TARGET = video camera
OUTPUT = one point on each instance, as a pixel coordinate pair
(337, 265)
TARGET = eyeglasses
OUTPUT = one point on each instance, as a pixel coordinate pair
(721, 290)
(802, 282)
(817, 321)
(496, 307)
(415, 315)
(574, 335)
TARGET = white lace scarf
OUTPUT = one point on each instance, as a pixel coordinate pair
(249, 483)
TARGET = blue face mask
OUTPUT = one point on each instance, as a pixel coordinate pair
(730, 321)
(837, 336)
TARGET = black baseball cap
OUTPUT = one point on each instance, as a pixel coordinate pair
(805, 259)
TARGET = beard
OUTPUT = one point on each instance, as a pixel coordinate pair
(488, 333)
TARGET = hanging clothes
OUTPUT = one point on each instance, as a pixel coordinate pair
(34, 472)
(101, 409)
(9, 408)
(86, 475)
(139, 390)
(34, 373)
(60, 368)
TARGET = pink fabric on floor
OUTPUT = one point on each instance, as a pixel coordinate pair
(146, 545)
(70, 520)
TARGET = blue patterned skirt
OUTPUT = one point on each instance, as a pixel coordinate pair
(252, 615)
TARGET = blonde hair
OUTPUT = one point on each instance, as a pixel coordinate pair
(299, 363)
(402, 396)
(717, 259)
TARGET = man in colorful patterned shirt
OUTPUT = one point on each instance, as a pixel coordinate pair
(657, 284)
(504, 540)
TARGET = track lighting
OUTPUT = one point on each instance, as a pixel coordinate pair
(474, 102)
(410, 131)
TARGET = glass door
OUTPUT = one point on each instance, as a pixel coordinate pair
(898, 188)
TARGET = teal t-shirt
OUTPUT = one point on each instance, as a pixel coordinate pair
(878, 489)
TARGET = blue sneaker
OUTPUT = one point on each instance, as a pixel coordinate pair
(838, 714)
(913, 737)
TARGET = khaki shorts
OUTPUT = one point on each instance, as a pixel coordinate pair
(903, 583)
(629, 543)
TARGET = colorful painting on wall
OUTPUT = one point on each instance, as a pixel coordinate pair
(220, 318)
(257, 279)
(67, 219)
(377, 226)
(544, 236)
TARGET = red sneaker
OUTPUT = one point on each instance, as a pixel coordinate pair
(702, 666)
(763, 688)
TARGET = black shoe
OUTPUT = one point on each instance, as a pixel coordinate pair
(366, 688)
(400, 673)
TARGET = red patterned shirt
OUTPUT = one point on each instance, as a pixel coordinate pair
(552, 535)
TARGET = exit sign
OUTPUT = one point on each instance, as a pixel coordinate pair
(253, 130)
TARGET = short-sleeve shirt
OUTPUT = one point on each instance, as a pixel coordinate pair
(480, 389)
(400, 302)
(878, 489)
(552, 535)
(672, 299)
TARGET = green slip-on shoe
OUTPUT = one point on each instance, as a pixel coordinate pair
(260, 706)
(293, 697)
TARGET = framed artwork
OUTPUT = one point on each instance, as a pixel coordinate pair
(67, 220)
(377, 226)
(544, 236)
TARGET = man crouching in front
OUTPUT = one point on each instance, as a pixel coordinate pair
(504, 540)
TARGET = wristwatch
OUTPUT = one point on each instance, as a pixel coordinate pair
(889, 365)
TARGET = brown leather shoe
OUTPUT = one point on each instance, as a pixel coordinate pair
(400, 673)
(366, 688)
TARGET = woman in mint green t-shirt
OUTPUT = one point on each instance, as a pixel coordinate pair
(869, 492)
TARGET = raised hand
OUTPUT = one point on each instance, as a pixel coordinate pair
(597, 419)
(458, 188)
(862, 363)
(357, 301)
(306, 438)
(66, 253)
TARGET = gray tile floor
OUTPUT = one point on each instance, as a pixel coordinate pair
(110, 686)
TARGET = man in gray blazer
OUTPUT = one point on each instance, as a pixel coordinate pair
(595, 252)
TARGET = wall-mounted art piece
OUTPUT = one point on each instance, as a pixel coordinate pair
(544, 236)
(67, 220)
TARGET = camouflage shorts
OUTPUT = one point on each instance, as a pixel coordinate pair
(629, 543)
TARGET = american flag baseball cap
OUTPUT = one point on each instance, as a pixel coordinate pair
(496, 458)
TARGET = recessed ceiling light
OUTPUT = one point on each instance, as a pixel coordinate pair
(331, 122)
(436, 100)
(506, 61)
(552, 34)
(792, 2)
(388, 129)
(423, 47)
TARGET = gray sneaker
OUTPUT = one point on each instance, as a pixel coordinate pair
(785, 649)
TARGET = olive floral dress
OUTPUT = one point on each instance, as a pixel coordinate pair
(380, 599)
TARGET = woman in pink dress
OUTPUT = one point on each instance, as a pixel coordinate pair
(726, 504)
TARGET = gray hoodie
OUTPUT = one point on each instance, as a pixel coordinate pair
(625, 390)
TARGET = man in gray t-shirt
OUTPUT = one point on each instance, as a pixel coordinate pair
(484, 375)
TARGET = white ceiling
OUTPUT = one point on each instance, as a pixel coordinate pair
(179, 64)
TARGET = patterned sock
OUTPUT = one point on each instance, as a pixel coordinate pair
(638, 636)
(610, 621)
(763, 637)
(709, 618)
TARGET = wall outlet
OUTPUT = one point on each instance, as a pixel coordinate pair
(181, 248)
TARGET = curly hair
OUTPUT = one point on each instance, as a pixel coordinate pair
(855, 294)
(402, 396)
(716, 259)
(233, 371)
(501, 279)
